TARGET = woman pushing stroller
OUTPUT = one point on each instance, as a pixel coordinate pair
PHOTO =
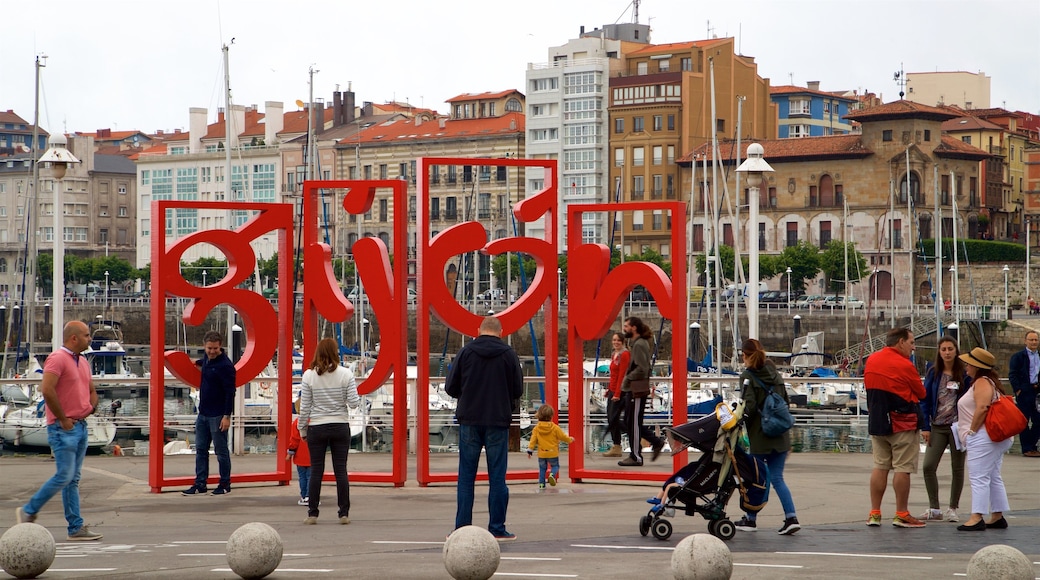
(759, 378)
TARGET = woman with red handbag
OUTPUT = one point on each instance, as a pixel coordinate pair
(985, 456)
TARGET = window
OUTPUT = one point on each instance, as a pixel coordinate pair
(669, 191)
(663, 65)
(450, 209)
(637, 124)
(671, 122)
(500, 174)
(886, 135)
(103, 211)
(383, 203)
(467, 174)
(896, 241)
(698, 237)
(825, 233)
(619, 158)
(727, 234)
(435, 208)
(637, 221)
(658, 154)
(792, 234)
(382, 171)
(402, 171)
(686, 63)
(799, 106)
(658, 220)
(367, 172)
(452, 174)
(761, 236)
(637, 187)
(3, 266)
(619, 125)
(657, 192)
(641, 68)
(103, 236)
(797, 131)
(658, 122)
(121, 237)
(927, 134)
(637, 156)
(671, 155)
(720, 125)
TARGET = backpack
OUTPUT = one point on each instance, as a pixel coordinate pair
(775, 414)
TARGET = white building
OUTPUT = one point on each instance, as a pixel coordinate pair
(567, 119)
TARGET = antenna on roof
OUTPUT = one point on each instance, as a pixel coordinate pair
(900, 78)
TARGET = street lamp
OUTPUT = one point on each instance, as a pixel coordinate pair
(106, 290)
(1006, 270)
(59, 158)
(203, 277)
(559, 284)
(753, 167)
(788, 290)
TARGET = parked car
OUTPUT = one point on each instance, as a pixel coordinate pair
(769, 297)
(640, 294)
(853, 303)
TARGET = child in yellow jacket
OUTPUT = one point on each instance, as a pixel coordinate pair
(546, 437)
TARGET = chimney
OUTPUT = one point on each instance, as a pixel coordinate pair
(348, 106)
(582, 31)
(418, 120)
(813, 85)
(197, 128)
(366, 108)
(440, 122)
(274, 121)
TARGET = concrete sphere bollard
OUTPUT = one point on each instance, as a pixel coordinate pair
(702, 557)
(26, 550)
(1000, 562)
(254, 550)
(471, 553)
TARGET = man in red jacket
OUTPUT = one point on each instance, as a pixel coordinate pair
(894, 389)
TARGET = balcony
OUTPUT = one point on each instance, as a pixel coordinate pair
(451, 214)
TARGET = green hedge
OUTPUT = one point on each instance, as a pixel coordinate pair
(975, 251)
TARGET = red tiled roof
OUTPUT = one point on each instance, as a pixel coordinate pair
(111, 135)
(826, 147)
(405, 129)
(217, 130)
(969, 123)
(153, 150)
(953, 148)
(793, 90)
(902, 110)
(482, 96)
(664, 48)
(992, 112)
(296, 121)
(10, 117)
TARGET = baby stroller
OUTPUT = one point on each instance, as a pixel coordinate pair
(707, 483)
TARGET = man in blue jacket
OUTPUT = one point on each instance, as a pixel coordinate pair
(486, 379)
(216, 402)
(1024, 375)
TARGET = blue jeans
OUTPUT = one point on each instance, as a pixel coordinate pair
(69, 449)
(545, 463)
(775, 461)
(207, 430)
(304, 471)
(495, 442)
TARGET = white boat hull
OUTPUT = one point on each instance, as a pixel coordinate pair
(22, 427)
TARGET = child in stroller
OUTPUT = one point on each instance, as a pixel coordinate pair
(704, 486)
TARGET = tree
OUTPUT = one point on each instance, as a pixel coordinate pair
(498, 265)
(832, 262)
(726, 255)
(803, 259)
(651, 255)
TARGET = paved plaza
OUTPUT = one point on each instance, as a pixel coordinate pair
(573, 530)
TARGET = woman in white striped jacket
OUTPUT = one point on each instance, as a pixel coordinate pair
(327, 390)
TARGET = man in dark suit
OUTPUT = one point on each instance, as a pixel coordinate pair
(1024, 374)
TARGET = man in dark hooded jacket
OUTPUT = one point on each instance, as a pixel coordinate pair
(485, 377)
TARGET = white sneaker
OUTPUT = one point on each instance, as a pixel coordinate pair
(931, 515)
(951, 515)
(303, 501)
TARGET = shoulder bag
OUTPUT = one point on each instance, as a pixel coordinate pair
(1003, 419)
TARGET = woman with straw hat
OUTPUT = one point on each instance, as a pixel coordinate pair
(985, 456)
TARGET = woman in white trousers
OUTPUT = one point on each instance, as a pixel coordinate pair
(985, 456)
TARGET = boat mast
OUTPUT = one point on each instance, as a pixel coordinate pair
(715, 216)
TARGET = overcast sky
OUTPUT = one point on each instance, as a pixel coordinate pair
(133, 64)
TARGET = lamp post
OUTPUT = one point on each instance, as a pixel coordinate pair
(559, 284)
(203, 277)
(753, 167)
(788, 271)
(364, 336)
(1006, 270)
(106, 290)
(59, 158)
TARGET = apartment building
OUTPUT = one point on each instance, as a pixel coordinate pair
(480, 125)
(810, 112)
(954, 88)
(877, 189)
(661, 108)
(16, 135)
(568, 120)
(99, 202)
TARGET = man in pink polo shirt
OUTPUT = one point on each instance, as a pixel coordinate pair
(70, 396)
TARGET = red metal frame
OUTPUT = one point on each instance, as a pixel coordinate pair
(256, 313)
(435, 298)
(595, 294)
(385, 287)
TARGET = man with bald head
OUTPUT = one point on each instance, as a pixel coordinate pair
(70, 396)
(485, 377)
